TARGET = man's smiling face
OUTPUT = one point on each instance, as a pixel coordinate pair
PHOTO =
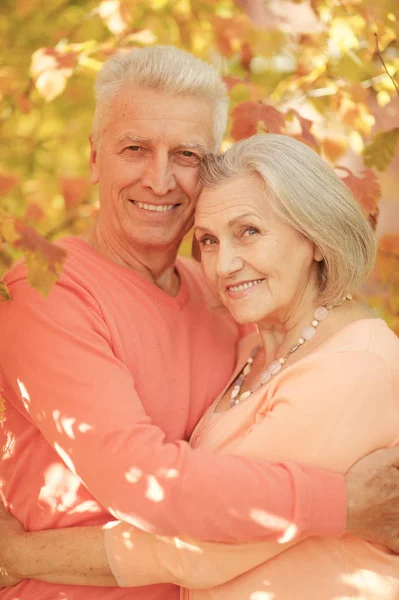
(146, 165)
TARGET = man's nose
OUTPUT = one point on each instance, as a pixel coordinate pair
(229, 262)
(159, 176)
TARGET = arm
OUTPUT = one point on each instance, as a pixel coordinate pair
(138, 558)
(315, 413)
(67, 381)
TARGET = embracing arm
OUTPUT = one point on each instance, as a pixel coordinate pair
(121, 456)
(138, 558)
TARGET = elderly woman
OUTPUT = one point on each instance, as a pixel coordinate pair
(284, 245)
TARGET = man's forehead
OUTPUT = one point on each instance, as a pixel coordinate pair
(154, 115)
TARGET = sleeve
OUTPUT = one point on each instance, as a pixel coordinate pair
(330, 419)
(57, 356)
(138, 558)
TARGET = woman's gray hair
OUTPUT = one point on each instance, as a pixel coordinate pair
(168, 70)
(307, 195)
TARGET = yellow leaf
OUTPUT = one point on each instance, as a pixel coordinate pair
(8, 231)
(41, 275)
(341, 33)
(5, 296)
(380, 151)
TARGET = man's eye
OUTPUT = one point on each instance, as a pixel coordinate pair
(134, 148)
(188, 153)
(207, 241)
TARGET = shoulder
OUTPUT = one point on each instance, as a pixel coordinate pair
(359, 360)
(74, 286)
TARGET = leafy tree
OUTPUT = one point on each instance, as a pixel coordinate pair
(323, 71)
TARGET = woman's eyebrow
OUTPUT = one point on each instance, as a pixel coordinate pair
(243, 216)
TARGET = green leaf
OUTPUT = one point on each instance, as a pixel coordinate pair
(380, 151)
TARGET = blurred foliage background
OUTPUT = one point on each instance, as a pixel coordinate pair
(324, 71)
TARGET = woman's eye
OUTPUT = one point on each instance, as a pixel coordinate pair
(248, 231)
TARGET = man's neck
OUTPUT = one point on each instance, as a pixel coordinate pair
(158, 266)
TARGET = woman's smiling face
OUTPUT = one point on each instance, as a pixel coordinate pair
(260, 266)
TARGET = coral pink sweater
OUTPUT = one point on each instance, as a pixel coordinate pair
(103, 380)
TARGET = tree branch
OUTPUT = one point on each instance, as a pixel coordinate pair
(384, 65)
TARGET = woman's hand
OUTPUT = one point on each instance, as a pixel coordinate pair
(11, 531)
(372, 486)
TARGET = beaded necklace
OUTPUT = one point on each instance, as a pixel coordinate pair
(308, 333)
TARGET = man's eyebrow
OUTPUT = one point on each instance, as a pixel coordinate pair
(192, 146)
(134, 138)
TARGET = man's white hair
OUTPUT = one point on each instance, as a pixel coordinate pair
(308, 195)
(164, 68)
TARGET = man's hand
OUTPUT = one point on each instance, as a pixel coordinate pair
(372, 486)
(11, 530)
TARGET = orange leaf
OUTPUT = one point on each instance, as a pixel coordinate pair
(34, 212)
(334, 147)
(390, 243)
(74, 190)
(248, 118)
(230, 33)
(366, 189)
(30, 241)
(7, 183)
(306, 135)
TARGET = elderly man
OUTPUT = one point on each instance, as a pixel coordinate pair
(105, 378)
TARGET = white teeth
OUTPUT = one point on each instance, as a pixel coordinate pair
(154, 207)
(243, 286)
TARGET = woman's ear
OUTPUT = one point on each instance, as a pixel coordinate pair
(317, 255)
(195, 250)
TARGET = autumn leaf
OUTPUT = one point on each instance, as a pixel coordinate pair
(7, 183)
(5, 296)
(334, 147)
(8, 231)
(366, 189)
(43, 259)
(249, 118)
(50, 69)
(230, 33)
(74, 190)
(380, 151)
(115, 14)
(306, 135)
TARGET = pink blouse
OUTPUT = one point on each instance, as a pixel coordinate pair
(329, 409)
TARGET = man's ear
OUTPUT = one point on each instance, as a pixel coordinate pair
(93, 160)
(195, 250)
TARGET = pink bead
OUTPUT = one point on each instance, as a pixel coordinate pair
(321, 313)
(308, 333)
